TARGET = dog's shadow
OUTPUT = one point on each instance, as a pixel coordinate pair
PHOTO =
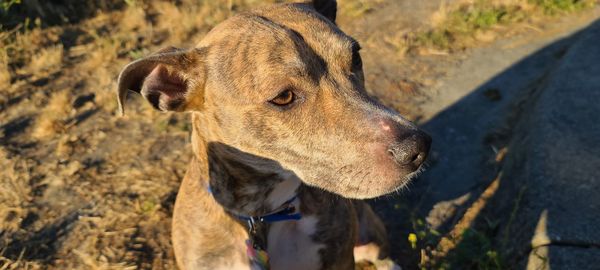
(467, 139)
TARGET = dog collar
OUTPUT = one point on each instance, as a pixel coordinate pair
(255, 245)
(287, 211)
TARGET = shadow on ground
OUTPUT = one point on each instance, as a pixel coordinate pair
(54, 12)
(533, 125)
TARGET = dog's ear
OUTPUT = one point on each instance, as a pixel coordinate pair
(171, 79)
(327, 8)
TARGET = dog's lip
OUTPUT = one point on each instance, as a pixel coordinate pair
(358, 190)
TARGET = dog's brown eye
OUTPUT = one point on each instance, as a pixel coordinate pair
(284, 98)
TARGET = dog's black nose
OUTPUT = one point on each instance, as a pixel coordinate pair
(411, 150)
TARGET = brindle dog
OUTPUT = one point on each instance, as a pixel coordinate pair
(281, 120)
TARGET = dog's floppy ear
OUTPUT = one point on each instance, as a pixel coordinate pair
(327, 8)
(169, 79)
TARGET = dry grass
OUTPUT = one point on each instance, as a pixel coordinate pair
(8, 264)
(188, 22)
(52, 119)
(15, 194)
(46, 60)
(357, 8)
(4, 70)
(185, 22)
(14, 191)
(28, 41)
(4, 75)
(134, 20)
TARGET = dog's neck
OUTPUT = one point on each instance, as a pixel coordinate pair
(242, 183)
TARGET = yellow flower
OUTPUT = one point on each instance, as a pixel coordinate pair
(412, 238)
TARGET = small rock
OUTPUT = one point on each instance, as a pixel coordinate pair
(493, 94)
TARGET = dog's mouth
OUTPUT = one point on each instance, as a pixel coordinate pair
(366, 180)
(377, 168)
(403, 183)
(377, 186)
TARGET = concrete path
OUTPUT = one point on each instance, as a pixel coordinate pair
(559, 138)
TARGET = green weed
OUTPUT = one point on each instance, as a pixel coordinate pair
(553, 7)
(460, 26)
(6, 4)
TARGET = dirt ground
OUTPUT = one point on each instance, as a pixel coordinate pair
(81, 188)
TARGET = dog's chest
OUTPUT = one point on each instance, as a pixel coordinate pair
(291, 245)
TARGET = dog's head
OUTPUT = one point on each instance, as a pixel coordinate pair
(285, 83)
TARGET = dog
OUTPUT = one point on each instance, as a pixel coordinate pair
(286, 143)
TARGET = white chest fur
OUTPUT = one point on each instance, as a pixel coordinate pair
(290, 245)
